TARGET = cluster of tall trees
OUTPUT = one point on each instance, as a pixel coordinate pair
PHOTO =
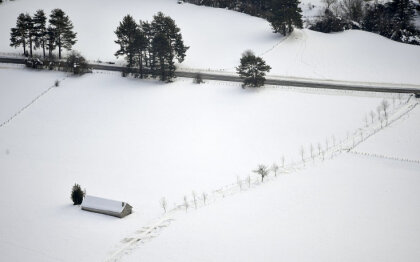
(151, 48)
(283, 15)
(32, 32)
(392, 19)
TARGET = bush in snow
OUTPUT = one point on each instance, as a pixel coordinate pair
(77, 194)
(77, 64)
(198, 79)
(329, 23)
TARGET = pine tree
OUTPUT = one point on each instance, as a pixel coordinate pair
(40, 30)
(63, 30)
(140, 46)
(168, 46)
(252, 70)
(163, 56)
(378, 20)
(30, 32)
(51, 41)
(148, 33)
(166, 25)
(77, 194)
(403, 14)
(285, 15)
(19, 34)
(126, 35)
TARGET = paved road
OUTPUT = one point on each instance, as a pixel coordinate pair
(230, 78)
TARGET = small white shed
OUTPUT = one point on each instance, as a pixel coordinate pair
(106, 206)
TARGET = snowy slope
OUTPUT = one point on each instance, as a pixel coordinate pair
(397, 141)
(352, 208)
(138, 141)
(15, 91)
(217, 38)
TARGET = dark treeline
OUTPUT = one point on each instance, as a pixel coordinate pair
(150, 48)
(32, 32)
(393, 19)
(283, 15)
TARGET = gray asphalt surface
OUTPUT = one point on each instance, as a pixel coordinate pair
(296, 83)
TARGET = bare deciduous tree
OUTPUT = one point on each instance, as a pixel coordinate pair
(239, 181)
(319, 149)
(282, 161)
(204, 196)
(262, 170)
(302, 154)
(352, 9)
(249, 181)
(311, 149)
(163, 203)
(378, 110)
(275, 168)
(372, 116)
(186, 205)
(385, 106)
(194, 195)
(329, 3)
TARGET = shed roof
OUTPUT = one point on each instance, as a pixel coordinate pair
(103, 204)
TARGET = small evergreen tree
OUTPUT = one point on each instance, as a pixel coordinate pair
(40, 30)
(19, 34)
(252, 70)
(77, 194)
(63, 30)
(285, 14)
(198, 79)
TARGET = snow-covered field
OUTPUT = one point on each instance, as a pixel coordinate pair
(397, 141)
(138, 141)
(353, 208)
(217, 38)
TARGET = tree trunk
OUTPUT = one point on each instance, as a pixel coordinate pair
(59, 48)
(30, 47)
(24, 47)
(162, 68)
(43, 48)
(141, 64)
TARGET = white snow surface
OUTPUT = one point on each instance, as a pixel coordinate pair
(217, 37)
(122, 138)
(397, 141)
(352, 208)
(103, 204)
